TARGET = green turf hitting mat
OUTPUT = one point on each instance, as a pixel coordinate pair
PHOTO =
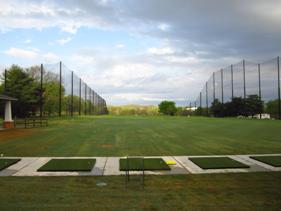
(68, 165)
(217, 163)
(274, 160)
(5, 163)
(139, 164)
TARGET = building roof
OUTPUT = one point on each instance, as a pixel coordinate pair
(5, 97)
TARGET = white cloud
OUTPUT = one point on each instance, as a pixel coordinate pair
(70, 28)
(163, 26)
(50, 58)
(161, 51)
(182, 59)
(194, 30)
(63, 41)
(21, 53)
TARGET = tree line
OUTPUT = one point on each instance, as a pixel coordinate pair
(238, 106)
(25, 85)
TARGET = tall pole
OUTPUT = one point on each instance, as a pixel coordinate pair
(71, 108)
(5, 81)
(200, 100)
(41, 91)
(60, 91)
(80, 96)
(244, 78)
(259, 77)
(232, 90)
(222, 99)
(85, 109)
(93, 101)
(207, 107)
(279, 101)
(90, 100)
(214, 87)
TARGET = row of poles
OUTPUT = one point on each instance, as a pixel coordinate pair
(97, 102)
(244, 87)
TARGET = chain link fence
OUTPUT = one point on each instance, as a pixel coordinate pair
(242, 80)
(60, 92)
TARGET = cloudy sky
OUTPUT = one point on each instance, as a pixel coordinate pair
(140, 51)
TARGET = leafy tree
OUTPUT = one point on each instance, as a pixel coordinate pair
(51, 88)
(23, 87)
(235, 107)
(198, 111)
(217, 108)
(272, 108)
(253, 105)
(167, 107)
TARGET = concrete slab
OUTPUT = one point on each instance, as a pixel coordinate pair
(110, 166)
(253, 166)
(258, 163)
(31, 169)
(13, 169)
(98, 169)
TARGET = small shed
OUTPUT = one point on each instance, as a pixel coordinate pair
(8, 120)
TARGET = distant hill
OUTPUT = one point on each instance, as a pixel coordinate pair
(149, 110)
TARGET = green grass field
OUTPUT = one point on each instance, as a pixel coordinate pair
(134, 135)
(240, 191)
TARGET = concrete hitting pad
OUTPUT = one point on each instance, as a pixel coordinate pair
(260, 164)
(13, 169)
(98, 169)
(112, 166)
(28, 166)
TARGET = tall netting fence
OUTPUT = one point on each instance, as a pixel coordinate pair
(49, 90)
(244, 81)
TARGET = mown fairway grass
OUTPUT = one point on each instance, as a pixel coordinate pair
(121, 136)
(133, 135)
(240, 191)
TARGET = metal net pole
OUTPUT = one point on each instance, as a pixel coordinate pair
(41, 90)
(244, 79)
(60, 90)
(279, 103)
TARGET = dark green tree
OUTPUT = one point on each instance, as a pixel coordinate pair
(23, 87)
(235, 107)
(253, 105)
(51, 88)
(272, 108)
(217, 108)
(167, 108)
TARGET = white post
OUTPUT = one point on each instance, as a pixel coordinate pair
(8, 112)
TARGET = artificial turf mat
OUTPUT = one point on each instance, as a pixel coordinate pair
(217, 163)
(68, 165)
(270, 160)
(139, 164)
(4, 163)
